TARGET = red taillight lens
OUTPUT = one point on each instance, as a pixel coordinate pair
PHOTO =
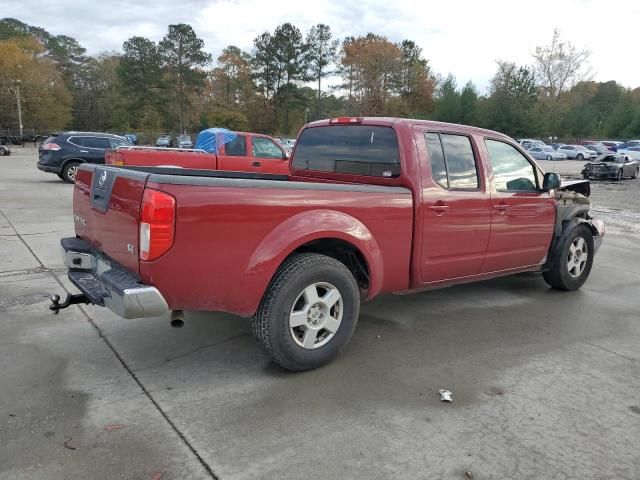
(157, 224)
(346, 120)
(51, 146)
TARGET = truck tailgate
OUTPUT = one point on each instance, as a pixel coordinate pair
(106, 211)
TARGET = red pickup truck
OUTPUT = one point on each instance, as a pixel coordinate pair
(372, 205)
(247, 152)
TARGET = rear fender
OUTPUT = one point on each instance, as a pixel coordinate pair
(304, 228)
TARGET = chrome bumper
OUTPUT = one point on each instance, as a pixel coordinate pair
(108, 284)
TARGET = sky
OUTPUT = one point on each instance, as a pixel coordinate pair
(460, 37)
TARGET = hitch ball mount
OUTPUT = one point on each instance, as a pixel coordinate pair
(72, 299)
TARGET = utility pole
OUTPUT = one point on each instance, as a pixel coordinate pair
(17, 84)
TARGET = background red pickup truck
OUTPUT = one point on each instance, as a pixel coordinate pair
(372, 205)
(248, 152)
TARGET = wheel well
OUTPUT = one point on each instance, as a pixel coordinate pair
(345, 253)
(66, 162)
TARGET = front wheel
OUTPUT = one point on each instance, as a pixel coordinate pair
(3, 152)
(549, 157)
(70, 171)
(635, 174)
(619, 175)
(573, 265)
(308, 312)
(580, 156)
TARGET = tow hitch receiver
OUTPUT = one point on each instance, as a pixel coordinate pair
(72, 299)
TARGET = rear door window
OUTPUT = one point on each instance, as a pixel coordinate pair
(453, 163)
(370, 150)
(237, 147)
(97, 142)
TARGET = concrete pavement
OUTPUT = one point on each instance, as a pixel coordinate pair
(545, 384)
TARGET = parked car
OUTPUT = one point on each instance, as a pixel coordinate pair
(614, 166)
(612, 144)
(557, 145)
(598, 147)
(546, 153)
(227, 150)
(577, 152)
(63, 152)
(372, 205)
(4, 150)
(632, 152)
(531, 142)
(164, 141)
(132, 138)
(628, 144)
(184, 141)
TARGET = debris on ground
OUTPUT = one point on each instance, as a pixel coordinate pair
(111, 428)
(468, 475)
(67, 443)
(445, 395)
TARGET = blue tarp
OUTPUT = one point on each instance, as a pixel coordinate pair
(208, 139)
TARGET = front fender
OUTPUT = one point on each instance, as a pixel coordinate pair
(301, 229)
(596, 227)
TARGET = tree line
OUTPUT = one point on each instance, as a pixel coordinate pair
(290, 77)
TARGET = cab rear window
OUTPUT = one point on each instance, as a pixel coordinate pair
(352, 149)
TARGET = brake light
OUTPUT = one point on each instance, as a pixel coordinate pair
(51, 146)
(344, 120)
(157, 224)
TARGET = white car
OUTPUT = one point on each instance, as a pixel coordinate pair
(545, 153)
(631, 152)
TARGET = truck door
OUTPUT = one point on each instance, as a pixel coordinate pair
(522, 215)
(233, 155)
(268, 157)
(456, 206)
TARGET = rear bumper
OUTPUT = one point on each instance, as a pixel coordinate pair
(48, 168)
(106, 283)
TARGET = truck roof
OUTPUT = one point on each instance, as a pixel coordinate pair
(390, 121)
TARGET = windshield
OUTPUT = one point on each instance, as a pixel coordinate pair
(611, 158)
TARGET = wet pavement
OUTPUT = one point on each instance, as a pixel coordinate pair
(545, 384)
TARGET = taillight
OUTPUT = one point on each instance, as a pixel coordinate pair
(157, 224)
(50, 146)
(346, 120)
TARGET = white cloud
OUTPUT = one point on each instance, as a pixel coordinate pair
(461, 37)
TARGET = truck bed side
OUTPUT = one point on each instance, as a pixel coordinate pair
(232, 234)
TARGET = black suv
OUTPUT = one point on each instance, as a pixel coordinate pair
(61, 153)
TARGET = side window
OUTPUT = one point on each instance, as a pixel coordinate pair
(453, 164)
(461, 164)
(116, 142)
(77, 141)
(237, 147)
(265, 148)
(97, 142)
(436, 159)
(511, 170)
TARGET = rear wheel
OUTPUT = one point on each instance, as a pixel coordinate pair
(635, 174)
(573, 266)
(580, 156)
(549, 157)
(70, 171)
(308, 313)
(3, 152)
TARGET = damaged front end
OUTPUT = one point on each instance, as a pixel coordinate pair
(573, 209)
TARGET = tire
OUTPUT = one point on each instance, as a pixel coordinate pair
(585, 176)
(69, 171)
(549, 157)
(619, 176)
(565, 277)
(3, 152)
(580, 157)
(290, 299)
(635, 174)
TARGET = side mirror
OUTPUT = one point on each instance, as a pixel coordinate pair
(551, 181)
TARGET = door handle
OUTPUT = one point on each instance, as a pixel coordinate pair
(84, 151)
(501, 207)
(255, 164)
(439, 208)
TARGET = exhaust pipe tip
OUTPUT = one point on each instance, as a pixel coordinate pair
(177, 319)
